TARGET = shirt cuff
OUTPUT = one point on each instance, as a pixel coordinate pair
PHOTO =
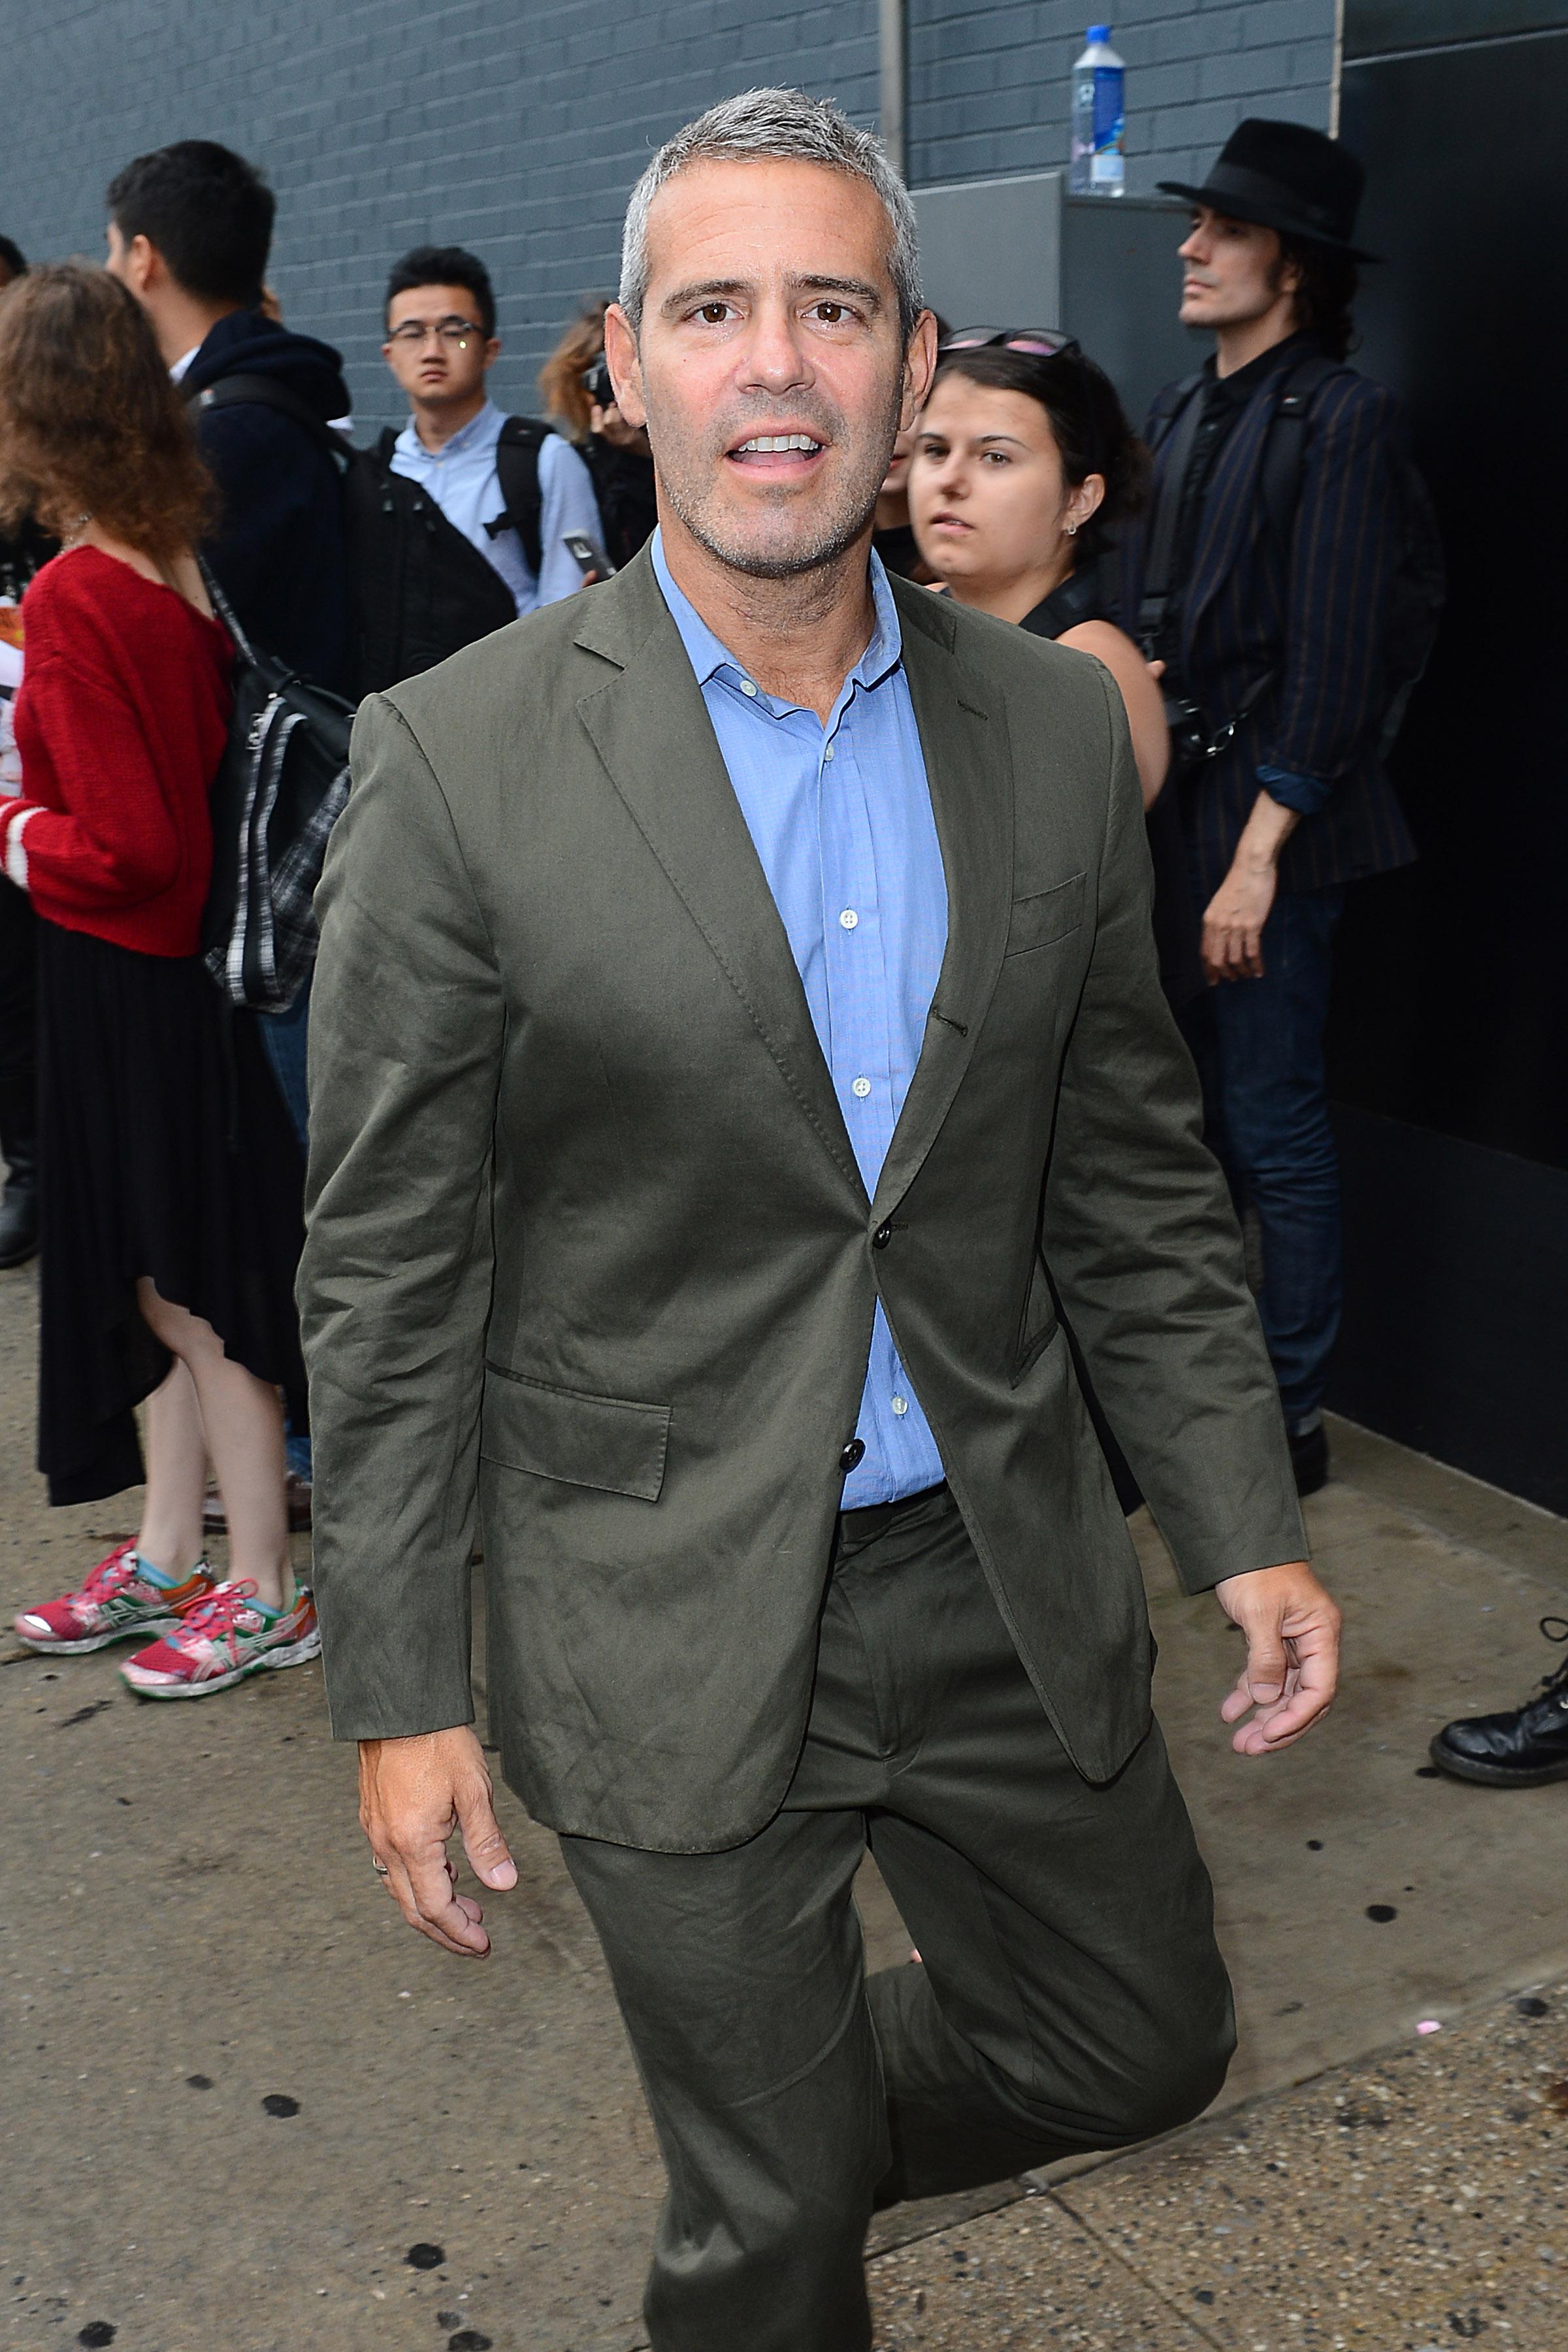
(1305, 795)
(13, 823)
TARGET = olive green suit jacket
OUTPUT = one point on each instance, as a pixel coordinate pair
(589, 1254)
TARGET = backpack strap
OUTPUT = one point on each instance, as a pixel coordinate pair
(385, 447)
(1183, 406)
(265, 392)
(1285, 450)
(516, 467)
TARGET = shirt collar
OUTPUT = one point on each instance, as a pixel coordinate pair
(178, 373)
(1243, 381)
(709, 657)
(484, 426)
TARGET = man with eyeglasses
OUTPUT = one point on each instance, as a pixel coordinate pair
(441, 344)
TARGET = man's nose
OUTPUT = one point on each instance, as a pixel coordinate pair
(1193, 250)
(774, 359)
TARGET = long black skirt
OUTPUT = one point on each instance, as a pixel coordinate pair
(165, 1150)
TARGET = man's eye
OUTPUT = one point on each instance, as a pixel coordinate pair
(830, 314)
(714, 313)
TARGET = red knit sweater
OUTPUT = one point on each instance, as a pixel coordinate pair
(120, 722)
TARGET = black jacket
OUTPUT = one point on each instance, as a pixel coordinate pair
(1312, 612)
(279, 551)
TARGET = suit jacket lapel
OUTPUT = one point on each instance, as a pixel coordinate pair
(651, 729)
(963, 737)
(1229, 510)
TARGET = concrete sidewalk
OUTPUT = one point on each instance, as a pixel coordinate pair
(243, 2106)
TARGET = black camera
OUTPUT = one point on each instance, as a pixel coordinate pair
(597, 385)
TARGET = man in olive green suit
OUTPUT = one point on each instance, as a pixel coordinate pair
(737, 1051)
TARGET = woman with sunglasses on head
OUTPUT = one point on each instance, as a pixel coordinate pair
(171, 1172)
(1023, 462)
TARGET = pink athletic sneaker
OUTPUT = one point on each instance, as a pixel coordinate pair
(220, 1640)
(114, 1602)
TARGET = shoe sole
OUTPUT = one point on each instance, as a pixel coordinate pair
(45, 1649)
(294, 1653)
(1494, 1776)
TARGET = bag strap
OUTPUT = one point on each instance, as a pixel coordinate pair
(1285, 451)
(265, 392)
(1183, 437)
(225, 611)
(516, 467)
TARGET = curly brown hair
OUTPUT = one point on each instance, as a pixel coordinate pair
(89, 422)
(560, 378)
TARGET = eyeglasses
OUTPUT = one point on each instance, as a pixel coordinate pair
(452, 331)
(1046, 343)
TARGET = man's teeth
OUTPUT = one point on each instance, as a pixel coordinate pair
(765, 441)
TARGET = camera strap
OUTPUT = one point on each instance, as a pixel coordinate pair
(1187, 406)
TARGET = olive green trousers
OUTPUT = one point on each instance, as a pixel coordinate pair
(1069, 1994)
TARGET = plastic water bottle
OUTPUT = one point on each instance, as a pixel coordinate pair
(1099, 120)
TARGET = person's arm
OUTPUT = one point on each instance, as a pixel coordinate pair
(406, 1029)
(567, 503)
(1145, 709)
(1140, 1238)
(115, 845)
(1343, 552)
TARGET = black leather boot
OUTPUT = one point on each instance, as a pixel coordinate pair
(19, 1199)
(1520, 1751)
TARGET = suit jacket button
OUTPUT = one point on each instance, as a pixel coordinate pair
(852, 1453)
(882, 1237)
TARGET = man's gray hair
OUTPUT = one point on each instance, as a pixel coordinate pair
(793, 128)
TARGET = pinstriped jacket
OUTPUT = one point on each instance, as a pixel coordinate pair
(1312, 611)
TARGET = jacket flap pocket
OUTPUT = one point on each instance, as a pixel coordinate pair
(1048, 914)
(585, 1441)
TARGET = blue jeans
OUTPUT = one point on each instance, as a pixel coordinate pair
(283, 1035)
(1258, 1045)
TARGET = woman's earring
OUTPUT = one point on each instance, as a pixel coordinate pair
(1072, 531)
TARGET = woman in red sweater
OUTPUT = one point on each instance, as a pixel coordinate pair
(171, 1175)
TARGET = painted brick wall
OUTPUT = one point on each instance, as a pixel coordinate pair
(517, 126)
(989, 80)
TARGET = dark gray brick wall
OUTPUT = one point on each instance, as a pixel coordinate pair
(989, 80)
(519, 129)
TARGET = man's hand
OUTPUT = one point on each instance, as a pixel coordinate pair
(413, 1794)
(1232, 946)
(1292, 1630)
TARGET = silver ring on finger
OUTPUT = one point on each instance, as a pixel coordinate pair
(380, 1868)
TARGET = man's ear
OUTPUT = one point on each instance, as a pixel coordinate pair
(919, 366)
(144, 265)
(492, 352)
(622, 359)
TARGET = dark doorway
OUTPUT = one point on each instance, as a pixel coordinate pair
(1450, 1035)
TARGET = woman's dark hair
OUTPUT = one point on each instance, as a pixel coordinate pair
(1087, 419)
(89, 423)
(1323, 297)
(13, 260)
(206, 210)
(444, 265)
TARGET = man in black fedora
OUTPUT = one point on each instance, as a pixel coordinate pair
(1262, 576)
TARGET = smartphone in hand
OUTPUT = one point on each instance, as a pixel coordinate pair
(591, 560)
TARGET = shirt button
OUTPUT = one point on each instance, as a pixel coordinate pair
(828, 753)
(900, 1406)
(854, 1453)
(849, 918)
(746, 686)
(862, 1086)
(882, 1237)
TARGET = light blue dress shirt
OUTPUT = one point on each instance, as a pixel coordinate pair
(841, 818)
(462, 480)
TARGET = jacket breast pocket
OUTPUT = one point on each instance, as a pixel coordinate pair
(608, 1443)
(1047, 916)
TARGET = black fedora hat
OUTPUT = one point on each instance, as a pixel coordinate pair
(1286, 177)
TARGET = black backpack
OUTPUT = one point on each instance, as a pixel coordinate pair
(1419, 586)
(281, 786)
(420, 590)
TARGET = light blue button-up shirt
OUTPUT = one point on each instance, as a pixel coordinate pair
(461, 477)
(841, 818)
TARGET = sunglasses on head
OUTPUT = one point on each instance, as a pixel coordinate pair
(1045, 342)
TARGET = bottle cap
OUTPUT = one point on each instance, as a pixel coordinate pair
(1097, 33)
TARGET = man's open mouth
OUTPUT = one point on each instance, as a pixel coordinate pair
(774, 451)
